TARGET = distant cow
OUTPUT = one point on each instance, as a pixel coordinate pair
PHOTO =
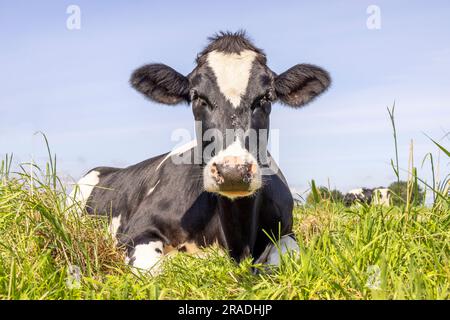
(161, 205)
(381, 196)
(377, 196)
(361, 195)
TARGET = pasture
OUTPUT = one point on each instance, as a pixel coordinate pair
(361, 252)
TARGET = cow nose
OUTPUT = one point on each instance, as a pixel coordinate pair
(233, 173)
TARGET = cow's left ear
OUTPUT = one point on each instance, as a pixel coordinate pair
(161, 83)
(301, 84)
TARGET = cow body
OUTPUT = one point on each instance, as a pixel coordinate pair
(158, 201)
(227, 198)
(376, 196)
(381, 196)
(360, 195)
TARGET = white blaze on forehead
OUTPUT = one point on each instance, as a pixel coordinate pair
(232, 71)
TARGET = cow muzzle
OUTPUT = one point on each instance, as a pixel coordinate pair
(232, 176)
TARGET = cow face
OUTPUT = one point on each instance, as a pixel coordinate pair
(231, 91)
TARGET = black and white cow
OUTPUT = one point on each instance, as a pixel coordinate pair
(381, 196)
(376, 196)
(360, 195)
(226, 198)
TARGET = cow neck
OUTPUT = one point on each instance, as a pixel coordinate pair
(239, 220)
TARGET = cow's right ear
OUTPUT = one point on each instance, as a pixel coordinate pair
(161, 83)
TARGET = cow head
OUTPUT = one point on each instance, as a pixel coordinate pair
(231, 91)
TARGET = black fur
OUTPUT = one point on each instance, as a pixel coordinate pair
(301, 84)
(179, 211)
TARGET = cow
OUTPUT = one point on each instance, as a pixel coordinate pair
(376, 196)
(226, 197)
(381, 196)
(360, 195)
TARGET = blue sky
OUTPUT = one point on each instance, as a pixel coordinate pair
(73, 84)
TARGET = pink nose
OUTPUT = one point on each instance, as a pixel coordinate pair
(233, 173)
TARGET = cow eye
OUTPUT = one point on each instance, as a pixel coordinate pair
(203, 102)
(263, 101)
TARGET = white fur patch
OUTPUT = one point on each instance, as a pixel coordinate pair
(179, 150)
(272, 254)
(153, 188)
(82, 190)
(381, 196)
(148, 257)
(358, 192)
(115, 225)
(232, 71)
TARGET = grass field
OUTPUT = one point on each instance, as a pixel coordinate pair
(363, 252)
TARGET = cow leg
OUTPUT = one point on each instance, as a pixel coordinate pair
(273, 252)
(146, 256)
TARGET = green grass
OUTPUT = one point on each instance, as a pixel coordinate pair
(363, 252)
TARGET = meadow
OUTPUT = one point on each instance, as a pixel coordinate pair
(47, 251)
(362, 252)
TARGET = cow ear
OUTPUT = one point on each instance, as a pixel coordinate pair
(161, 83)
(301, 84)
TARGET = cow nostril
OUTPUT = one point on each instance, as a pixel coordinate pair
(215, 169)
(247, 178)
(215, 172)
(249, 169)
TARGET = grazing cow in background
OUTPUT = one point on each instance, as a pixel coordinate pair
(381, 196)
(361, 195)
(377, 196)
(163, 204)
